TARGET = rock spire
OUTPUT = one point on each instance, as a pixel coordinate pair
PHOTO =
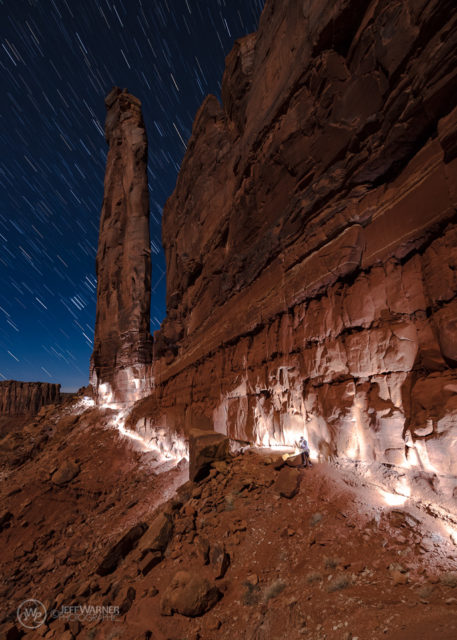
(123, 344)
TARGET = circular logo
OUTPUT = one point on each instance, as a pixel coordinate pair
(31, 613)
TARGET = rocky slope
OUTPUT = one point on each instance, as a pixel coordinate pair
(26, 398)
(122, 343)
(69, 482)
(256, 550)
(311, 241)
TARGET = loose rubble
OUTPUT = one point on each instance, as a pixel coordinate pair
(207, 559)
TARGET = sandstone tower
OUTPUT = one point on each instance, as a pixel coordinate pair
(123, 344)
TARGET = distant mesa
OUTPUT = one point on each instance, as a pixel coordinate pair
(26, 398)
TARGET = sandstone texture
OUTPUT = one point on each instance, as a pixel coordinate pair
(123, 344)
(26, 398)
(205, 447)
(311, 241)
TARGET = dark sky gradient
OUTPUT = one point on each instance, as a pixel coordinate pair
(58, 59)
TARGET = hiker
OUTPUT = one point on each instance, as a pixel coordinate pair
(304, 449)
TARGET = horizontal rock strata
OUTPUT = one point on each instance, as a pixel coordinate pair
(311, 240)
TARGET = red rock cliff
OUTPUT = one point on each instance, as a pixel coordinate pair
(123, 344)
(311, 240)
(26, 398)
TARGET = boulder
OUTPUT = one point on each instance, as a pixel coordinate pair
(220, 466)
(288, 482)
(158, 535)
(65, 473)
(125, 598)
(117, 552)
(150, 560)
(202, 547)
(449, 579)
(294, 461)
(205, 447)
(189, 594)
(220, 560)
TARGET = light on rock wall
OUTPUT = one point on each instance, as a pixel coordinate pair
(166, 443)
(165, 446)
(357, 449)
(129, 385)
(451, 530)
(401, 495)
(359, 426)
(105, 395)
(276, 424)
(392, 499)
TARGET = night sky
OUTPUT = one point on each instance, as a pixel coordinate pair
(58, 60)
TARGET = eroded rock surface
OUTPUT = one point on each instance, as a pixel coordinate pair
(205, 447)
(26, 398)
(122, 344)
(311, 240)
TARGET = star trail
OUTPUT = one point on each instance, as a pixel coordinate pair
(58, 60)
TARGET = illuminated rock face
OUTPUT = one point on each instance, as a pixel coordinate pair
(311, 240)
(120, 363)
(26, 398)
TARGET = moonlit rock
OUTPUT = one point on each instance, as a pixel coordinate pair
(122, 345)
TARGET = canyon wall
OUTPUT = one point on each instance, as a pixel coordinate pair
(311, 241)
(26, 398)
(123, 344)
